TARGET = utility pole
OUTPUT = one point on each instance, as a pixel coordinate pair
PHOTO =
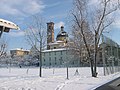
(67, 60)
(67, 72)
(40, 59)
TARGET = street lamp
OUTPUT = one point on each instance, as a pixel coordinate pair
(5, 26)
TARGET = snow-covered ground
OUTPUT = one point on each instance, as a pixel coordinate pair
(52, 79)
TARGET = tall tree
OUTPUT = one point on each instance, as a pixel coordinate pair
(78, 45)
(36, 37)
(3, 48)
(97, 17)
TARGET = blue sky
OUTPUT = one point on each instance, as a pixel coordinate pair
(20, 11)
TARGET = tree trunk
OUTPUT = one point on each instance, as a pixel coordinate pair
(91, 65)
(95, 57)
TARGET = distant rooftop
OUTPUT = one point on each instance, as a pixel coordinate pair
(61, 49)
(20, 49)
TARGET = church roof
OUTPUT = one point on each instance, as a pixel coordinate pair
(62, 33)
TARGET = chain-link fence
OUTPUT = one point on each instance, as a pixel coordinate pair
(110, 55)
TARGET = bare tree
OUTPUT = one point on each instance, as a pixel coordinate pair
(3, 48)
(78, 45)
(3, 51)
(98, 18)
(36, 37)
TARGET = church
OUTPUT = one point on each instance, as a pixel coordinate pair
(57, 54)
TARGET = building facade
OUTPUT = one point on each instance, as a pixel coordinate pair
(58, 58)
(19, 52)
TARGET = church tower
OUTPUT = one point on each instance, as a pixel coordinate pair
(62, 35)
(50, 33)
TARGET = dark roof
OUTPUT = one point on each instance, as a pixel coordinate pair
(62, 34)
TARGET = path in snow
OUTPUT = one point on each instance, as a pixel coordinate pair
(18, 79)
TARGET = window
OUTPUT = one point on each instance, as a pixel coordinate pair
(49, 54)
(61, 60)
(73, 62)
(44, 54)
(55, 60)
(61, 52)
(66, 52)
(49, 58)
(49, 27)
(55, 63)
(44, 60)
(54, 47)
(55, 53)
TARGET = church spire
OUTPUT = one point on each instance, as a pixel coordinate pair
(62, 28)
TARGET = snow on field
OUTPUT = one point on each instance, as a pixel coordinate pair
(52, 79)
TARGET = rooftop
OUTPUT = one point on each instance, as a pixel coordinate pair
(52, 50)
